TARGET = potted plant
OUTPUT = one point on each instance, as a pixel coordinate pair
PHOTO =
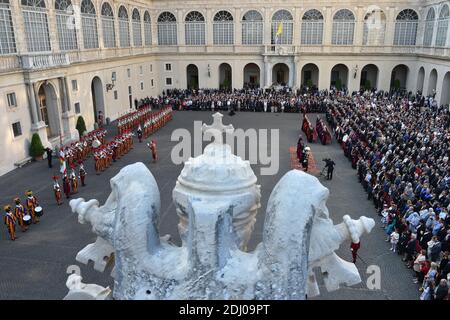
(81, 126)
(36, 148)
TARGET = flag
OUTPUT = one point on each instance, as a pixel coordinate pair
(62, 162)
(279, 32)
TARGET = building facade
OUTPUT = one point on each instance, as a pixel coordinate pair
(63, 58)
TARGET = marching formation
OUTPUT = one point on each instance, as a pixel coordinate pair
(131, 121)
(22, 215)
(82, 149)
(105, 155)
(157, 120)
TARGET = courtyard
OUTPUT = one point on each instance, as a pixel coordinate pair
(38, 261)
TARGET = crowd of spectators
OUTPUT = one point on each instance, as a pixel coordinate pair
(400, 146)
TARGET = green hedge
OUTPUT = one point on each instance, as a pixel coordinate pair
(81, 126)
(36, 148)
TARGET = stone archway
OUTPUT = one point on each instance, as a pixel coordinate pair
(369, 77)
(192, 76)
(252, 76)
(339, 77)
(432, 83)
(98, 103)
(280, 74)
(445, 91)
(310, 75)
(225, 76)
(48, 109)
(399, 77)
(420, 79)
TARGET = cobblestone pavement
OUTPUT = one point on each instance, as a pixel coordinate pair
(35, 265)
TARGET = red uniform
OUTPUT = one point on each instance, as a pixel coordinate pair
(354, 247)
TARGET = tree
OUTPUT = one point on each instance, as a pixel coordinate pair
(81, 126)
(368, 85)
(36, 148)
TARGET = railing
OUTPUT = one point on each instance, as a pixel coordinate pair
(9, 63)
(40, 61)
(44, 61)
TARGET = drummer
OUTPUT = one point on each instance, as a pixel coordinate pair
(32, 203)
(20, 212)
(10, 221)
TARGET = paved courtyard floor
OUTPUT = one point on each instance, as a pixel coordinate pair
(35, 265)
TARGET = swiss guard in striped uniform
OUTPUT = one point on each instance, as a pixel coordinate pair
(10, 221)
(20, 212)
(31, 206)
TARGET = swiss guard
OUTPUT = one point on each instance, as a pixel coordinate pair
(32, 204)
(66, 185)
(10, 221)
(82, 174)
(73, 180)
(21, 215)
(57, 190)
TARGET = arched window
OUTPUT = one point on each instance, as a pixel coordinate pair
(252, 28)
(7, 40)
(109, 32)
(89, 23)
(124, 27)
(282, 27)
(312, 27)
(429, 28)
(343, 27)
(65, 23)
(374, 28)
(442, 27)
(137, 34)
(36, 25)
(406, 28)
(147, 29)
(167, 29)
(223, 28)
(195, 28)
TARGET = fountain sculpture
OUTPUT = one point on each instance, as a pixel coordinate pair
(216, 198)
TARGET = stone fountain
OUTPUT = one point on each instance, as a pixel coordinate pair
(216, 199)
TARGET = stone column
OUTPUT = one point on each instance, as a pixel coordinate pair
(101, 44)
(390, 27)
(154, 21)
(116, 23)
(359, 28)
(38, 125)
(328, 27)
(237, 13)
(180, 28)
(51, 19)
(268, 72)
(297, 27)
(209, 30)
(68, 117)
(19, 27)
(267, 26)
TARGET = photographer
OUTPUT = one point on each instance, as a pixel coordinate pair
(329, 164)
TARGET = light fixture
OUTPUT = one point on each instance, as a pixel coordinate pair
(110, 86)
(355, 72)
(209, 71)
